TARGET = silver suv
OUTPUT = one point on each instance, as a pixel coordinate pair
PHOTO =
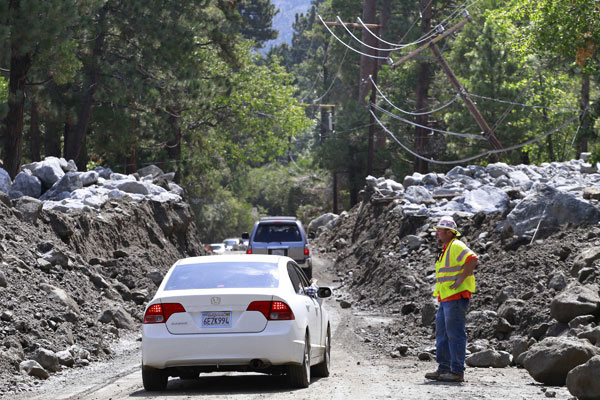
(280, 236)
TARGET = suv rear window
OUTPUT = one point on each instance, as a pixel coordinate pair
(220, 275)
(277, 233)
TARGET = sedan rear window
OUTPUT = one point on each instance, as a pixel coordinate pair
(277, 233)
(221, 275)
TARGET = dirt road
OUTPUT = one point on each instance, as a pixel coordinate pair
(359, 372)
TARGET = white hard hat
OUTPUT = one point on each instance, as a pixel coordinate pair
(447, 222)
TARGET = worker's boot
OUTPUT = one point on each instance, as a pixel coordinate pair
(434, 376)
(451, 377)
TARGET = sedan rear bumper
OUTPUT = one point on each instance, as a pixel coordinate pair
(282, 342)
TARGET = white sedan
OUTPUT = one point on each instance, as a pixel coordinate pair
(236, 313)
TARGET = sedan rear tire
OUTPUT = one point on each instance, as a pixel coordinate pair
(154, 379)
(299, 375)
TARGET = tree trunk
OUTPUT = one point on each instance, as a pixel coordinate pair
(52, 139)
(13, 139)
(131, 164)
(34, 132)
(585, 118)
(422, 91)
(75, 144)
(174, 145)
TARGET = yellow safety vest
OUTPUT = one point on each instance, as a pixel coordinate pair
(449, 266)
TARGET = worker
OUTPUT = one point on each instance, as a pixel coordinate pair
(454, 284)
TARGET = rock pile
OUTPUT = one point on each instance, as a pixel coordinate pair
(61, 187)
(80, 255)
(537, 235)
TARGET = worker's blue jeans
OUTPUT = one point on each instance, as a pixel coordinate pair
(451, 335)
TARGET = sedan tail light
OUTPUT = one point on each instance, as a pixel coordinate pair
(272, 310)
(160, 313)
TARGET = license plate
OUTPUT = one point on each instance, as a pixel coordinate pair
(278, 252)
(216, 319)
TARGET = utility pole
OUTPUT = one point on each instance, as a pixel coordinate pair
(487, 132)
(465, 96)
(365, 83)
(422, 89)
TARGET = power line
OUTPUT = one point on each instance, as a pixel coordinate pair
(409, 112)
(423, 38)
(465, 135)
(523, 105)
(350, 47)
(363, 43)
(484, 154)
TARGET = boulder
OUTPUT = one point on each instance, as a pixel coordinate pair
(120, 317)
(26, 184)
(47, 359)
(498, 170)
(33, 368)
(558, 282)
(489, 358)
(70, 182)
(29, 207)
(487, 199)
(593, 335)
(48, 171)
(60, 296)
(554, 208)
(583, 381)
(585, 259)
(574, 301)
(519, 346)
(5, 181)
(511, 310)
(458, 170)
(550, 360)
(89, 178)
(65, 358)
(135, 187)
(103, 173)
(56, 257)
(418, 195)
(320, 221)
(152, 170)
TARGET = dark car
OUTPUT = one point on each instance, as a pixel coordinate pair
(283, 236)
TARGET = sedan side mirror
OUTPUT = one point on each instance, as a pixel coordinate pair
(324, 292)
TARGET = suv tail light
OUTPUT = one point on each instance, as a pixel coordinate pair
(249, 250)
(272, 310)
(306, 250)
(160, 313)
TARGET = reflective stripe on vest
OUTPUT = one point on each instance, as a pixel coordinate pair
(448, 278)
(462, 254)
(444, 270)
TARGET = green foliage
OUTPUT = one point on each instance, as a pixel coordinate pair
(252, 119)
(219, 213)
(268, 188)
(257, 20)
(569, 29)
